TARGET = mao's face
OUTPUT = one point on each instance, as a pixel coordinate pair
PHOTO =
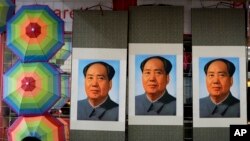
(97, 84)
(154, 77)
(218, 80)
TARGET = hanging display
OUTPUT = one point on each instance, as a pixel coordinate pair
(31, 88)
(44, 128)
(35, 33)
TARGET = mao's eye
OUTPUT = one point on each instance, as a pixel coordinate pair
(158, 72)
(90, 77)
(101, 78)
(146, 72)
(222, 74)
(210, 75)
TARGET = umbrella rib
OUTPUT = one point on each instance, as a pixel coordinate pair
(37, 121)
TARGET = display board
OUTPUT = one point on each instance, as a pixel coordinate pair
(155, 34)
(218, 40)
(99, 43)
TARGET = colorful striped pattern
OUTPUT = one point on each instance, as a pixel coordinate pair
(46, 42)
(35, 98)
(45, 128)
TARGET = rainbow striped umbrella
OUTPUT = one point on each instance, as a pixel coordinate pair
(44, 128)
(7, 9)
(65, 91)
(31, 88)
(35, 33)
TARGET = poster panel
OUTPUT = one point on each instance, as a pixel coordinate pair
(169, 106)
(109, 115)
(219, 76)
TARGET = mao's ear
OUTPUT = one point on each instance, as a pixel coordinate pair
(110, 84)
(231, 81)
(168, 78)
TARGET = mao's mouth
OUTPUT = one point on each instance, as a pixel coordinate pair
(94, 90)
(152, 85)
(216, 88)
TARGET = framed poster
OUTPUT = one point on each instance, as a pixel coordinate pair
(155, 88)
(98, 89)
(219, 86)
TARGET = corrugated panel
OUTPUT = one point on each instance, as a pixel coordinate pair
(218, 27)
(156, 24)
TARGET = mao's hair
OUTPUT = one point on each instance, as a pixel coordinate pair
(230, 66)
(166, 63)
(109, 68)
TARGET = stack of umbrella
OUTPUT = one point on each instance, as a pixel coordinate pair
(32, 85)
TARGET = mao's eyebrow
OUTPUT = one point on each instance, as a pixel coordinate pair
(158, 69)
(221, 73)
(217, 72)
(153, 69)
(98, 75)
(101, 75)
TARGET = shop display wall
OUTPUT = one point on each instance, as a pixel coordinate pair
(217, 28)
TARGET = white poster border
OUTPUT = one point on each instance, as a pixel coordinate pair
(219, 52)
(156, 49)
(101, 54)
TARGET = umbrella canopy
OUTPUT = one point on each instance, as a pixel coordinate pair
(44, 128)
(7, 9)
(35, 33)
(65, 91)
(31, 88)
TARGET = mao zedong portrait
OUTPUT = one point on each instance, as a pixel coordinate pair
(155, 77)
(220, 102)
(98, 105)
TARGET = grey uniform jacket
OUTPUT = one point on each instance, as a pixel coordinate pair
(166, 105)
(108, 111)
(228, 108)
